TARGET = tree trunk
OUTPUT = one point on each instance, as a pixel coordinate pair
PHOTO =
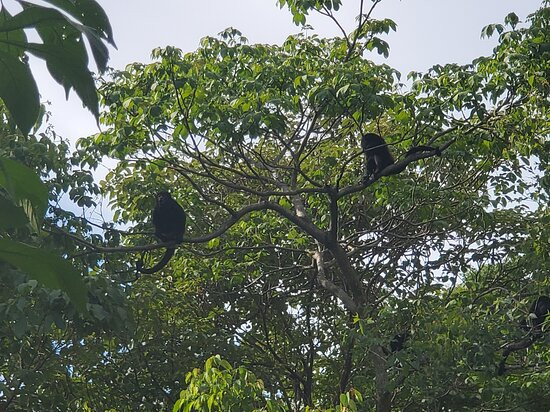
(383, 396)
(383, 402)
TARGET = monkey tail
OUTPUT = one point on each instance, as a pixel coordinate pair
(515, 346)
(502, 364)
(163, 262)
(422, 148)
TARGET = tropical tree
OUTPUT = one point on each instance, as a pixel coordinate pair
(315, 268)
(23, 196)
(325, 289)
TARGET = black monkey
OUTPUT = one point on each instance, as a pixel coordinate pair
(398, 341)
(169, 223)
(377, 154)
(538, 312)
(540, 309)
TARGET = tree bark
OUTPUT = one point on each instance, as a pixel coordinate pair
(383, 396)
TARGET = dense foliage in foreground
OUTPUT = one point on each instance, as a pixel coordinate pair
(293, 270)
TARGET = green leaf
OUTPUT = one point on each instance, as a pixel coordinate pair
(208, 363)
(11, 216)
(7, 37)
(343, 399)
(50, 270)
(32, 16)
(225, 364)
(211, 401)
(23, 184)
(20, 326)
(56, 29)
(98, 48)
(342, 90)
(512, 19)
(18, 91)
(214, 243)
(177, 405)
(89, 13)
(68, 69)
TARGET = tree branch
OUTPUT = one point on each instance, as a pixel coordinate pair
(322, 279)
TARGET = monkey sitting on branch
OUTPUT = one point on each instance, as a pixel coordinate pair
(378, 156)
(169, 222)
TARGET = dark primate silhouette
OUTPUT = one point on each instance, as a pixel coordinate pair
(377, 154)
(539, 311)
(169, 223)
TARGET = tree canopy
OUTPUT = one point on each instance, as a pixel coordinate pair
(299, 285)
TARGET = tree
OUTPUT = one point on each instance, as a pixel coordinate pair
(294, 266)
(23, 196)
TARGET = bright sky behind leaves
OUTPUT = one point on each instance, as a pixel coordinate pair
(429, 32)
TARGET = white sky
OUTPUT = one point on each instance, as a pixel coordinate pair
(429, 32)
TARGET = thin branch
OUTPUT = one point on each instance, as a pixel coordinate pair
(306, 226)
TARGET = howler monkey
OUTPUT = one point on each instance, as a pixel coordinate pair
(540, 308)
(398, 341)
(169, 223)
(377, 154)
(538, 312)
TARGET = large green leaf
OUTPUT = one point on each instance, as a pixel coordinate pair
(56, 28)
(23, 184)
(63, 48)
(96, 26)
(68, 68)
(53, 28)
(30, 17)
(89, 13)
(51, 270)
(99, 50)
(9, 36)
(18, 91)
(11, 216)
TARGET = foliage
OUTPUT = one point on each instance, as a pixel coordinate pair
(62, 48)
(22, 195)
(222, 388)
(260, 145)
(301, 8)
(294, 268)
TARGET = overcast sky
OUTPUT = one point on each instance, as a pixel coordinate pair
(428, 32)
